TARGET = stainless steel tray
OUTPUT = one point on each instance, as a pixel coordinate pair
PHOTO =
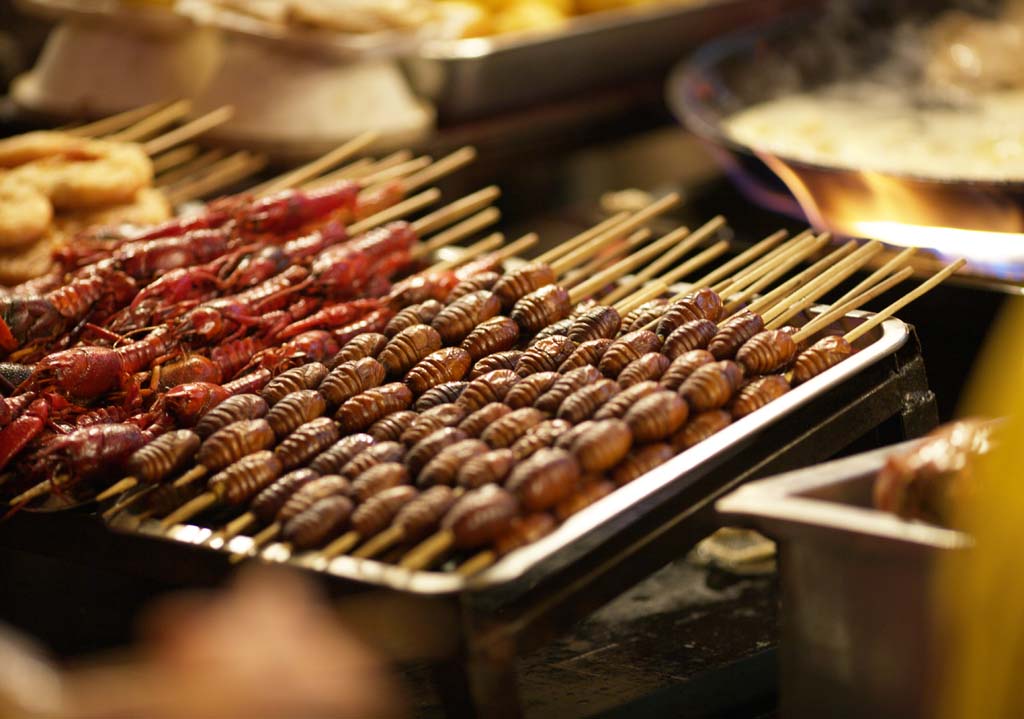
(479, 76)
(856, 609)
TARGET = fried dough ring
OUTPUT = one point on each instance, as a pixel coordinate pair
(25, 213)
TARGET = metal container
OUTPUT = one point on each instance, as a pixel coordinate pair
(480, 76)
(856, 606)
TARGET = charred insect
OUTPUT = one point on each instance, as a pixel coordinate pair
(545, 479)
(446, 365)
(547, 355)
(766, 352)
(421, 314)
(233, 442)
(378, 478)
(295, 409)
(733, 333)
(540, 435)
(358, 413)
(306, 442)
(526, 391)
(643, 315)
(371, 457)
(233, 409)
(348, 379)
(486, 468)
(480, 516)
(689, 336)
(823, 354)
(459, 318)
(602, 445)
(557, 329)
(758, 392)
(311, 493)
(476, 423)
(506, 430)
(428, 447)
(523, 531)
(568, 383)
(627, 348)
(243, 479)
(541, 308)
(332, 459)
(422, 515)
(487, 388)
(656, 416)
(433, 419)
(640, 462)
(704, 304)
(441, 394)
(376, 513)
(323, 520)
(367, 344)
(617, 406)
(443, 468)
(499, 360)
(711, 386)
(390, 428)
(268, 503)
(588, 353)
(646, 367)
(582, 403)
(595, 323)
(408, 347)
(479, 281)
(683, 366)
(700, 427)
(164, 456)
(308, 376)
(588, 493)
(494, 335)
(517, 284)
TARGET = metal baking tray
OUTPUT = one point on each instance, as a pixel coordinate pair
(475, 77)
(856, 608)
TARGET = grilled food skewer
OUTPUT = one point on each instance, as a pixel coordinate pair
(316, 167)
(191, 129)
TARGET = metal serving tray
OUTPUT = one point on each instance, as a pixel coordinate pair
(856, 608)
(479, 76)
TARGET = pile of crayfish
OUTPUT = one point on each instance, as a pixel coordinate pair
(137, 332)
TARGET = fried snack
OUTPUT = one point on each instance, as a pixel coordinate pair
(25, 213)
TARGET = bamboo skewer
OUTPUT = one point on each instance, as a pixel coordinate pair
(770, 260)
(627, 264)
(119, 487)
(564, 248)
(260, 540)
(491, 242)
(114, 123)
(188, 510)
(695, 263)
(320, 165)
(691, 241)
(340, 545)
(189, 130)
(784, 265)
(457, 210)
(891, 266)
(428, 551)
(189, 169)
(36, 491)
(602, 261)
(741, 260)
(477, 563)
(645, 294)
(445, 166)
(858, 332)
(233, 528)
(766, 301)
(177, 157)
(153, 123)
(835, 312)
(226, 173)
(352, 171)
(464, 229)
(396, 211)
(379, 178)
(380, 543)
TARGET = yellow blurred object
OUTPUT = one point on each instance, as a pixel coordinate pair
(981, 592)
(528, 15)
(469, 18)
(501, 16)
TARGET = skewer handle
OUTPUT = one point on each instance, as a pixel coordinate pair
(117, 488)
(445, 166)
(188, 510)
(36, 491)
(318, 166)
(196, 473)
(381, 543)
(627, 264)
(492, 242)
(891, 266)
(429, 550)
(576, 241)
(399, 209)
(233, 528)
(341, 545)
(463, 207)
(461, 231)
(741, 260)
(189, 130)
(477, 563)
(835, 312)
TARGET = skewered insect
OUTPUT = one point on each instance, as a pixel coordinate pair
(332, 459)
(582, 403)
(700, 427)
(704, 304)
(733, 333)
(497, 334)
(643, 315)
(588, 353)
(656, 416)
(625, 349)
(295, 409)
(367, 344)
(596, 323)
(428, 447)
(603, 445)
(640, 462)
(499, 360)
(521, 282)
(689, 336)
(233, 409)
(480, 516)
(523, 531)
(758, 392)
(711, 386)
(306, 442)
(557, 329)
(348, 379)
(313, 491)
(526, 391)
(486, 468)
(164, 456)
(433, 419)
(480, 281)
(390, 428)
(441, 394)
(378, 511)
(244, 479)
(823, 354)
(646, 367)
(443, 468)
(268, 503)
(308, 376)
(446, 365)
(568, 383)
(314, 526)
(487, 388)
(586, 495)
(358, 413)
(766, 352)
(233, 442)
(378, 478)
(506, 430)
(617, 406)
(422, 514)
(541, 308)
(409, 347)
(459, 318)
(372, 456)
(421, 314)
(539, 436)
(547, 355)
(545, 479)
(683, 366)
(478, 421)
